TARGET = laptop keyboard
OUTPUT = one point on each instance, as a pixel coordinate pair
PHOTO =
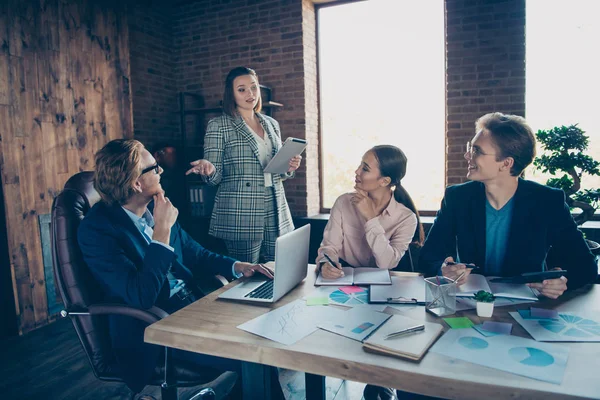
(264, 291)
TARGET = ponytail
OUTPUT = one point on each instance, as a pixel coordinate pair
(402, 197)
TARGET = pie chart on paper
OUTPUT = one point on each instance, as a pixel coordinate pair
(531, 356)
(350, 299)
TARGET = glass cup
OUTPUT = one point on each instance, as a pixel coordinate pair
(440, 296)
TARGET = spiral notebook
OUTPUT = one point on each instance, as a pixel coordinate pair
(412, 346)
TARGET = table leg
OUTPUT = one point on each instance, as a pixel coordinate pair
(315, 386)
(256, 381)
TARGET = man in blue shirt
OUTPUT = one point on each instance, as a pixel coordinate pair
(144, 259)
(502, 223)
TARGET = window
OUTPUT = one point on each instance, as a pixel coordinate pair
(562, 80)
(381, 74)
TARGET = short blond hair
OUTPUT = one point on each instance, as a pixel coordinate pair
(118, 165)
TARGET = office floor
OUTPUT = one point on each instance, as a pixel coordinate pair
(49, 363)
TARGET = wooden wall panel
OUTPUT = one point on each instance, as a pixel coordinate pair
(63, 64)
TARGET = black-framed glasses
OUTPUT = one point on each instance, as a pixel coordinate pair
(154, 167)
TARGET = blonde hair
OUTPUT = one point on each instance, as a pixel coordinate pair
(118, 166)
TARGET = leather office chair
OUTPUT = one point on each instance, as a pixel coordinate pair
(82, 299)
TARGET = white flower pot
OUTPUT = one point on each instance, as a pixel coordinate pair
(485, 309)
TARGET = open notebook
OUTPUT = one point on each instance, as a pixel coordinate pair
(358, 276)
(477, 282)
(412, 345)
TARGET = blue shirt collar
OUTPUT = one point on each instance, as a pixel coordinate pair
(141, 222)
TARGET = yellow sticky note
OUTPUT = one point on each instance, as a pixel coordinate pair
(317, 301)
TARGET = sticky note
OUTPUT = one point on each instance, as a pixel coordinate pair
(543, 313)
(317, 301)
(485, 333)
(459, 322)
(351, 289)
(502, 328)
(528, 314)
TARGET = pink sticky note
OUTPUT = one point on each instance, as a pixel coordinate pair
(503, 328)
(543, 313)
(351, 289)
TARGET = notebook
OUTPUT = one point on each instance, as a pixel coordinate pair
(477, 282)
(412, 346)
(357, 323)
(358, 276)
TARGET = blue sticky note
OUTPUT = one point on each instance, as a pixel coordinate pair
(485, 333)
(502, 328)
(543, 313)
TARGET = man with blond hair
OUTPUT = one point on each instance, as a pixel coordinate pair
(144, 259)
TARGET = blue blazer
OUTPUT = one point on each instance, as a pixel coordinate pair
(133, 272)
(542, 229)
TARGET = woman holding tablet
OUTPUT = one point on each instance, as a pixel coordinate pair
(250, 209)
(373, 226)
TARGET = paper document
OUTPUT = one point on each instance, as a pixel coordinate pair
(402, 287)
(356, 323)
(569, 327)
(290, 323)
(476, 282)
(412, 346)
(517, 355)
(280, 163)
(358, 276)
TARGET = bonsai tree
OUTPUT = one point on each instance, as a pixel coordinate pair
(484, 297)
(564, 149)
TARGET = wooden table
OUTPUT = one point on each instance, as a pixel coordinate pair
(209, 326)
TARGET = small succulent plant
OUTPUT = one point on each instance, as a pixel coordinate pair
(484, 297)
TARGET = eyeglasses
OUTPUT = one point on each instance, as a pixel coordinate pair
(476, 152)
(154, 167)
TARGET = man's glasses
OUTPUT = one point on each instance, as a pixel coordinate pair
(154, 167)
(476, 152)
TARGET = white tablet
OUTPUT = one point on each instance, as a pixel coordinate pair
(281, 162)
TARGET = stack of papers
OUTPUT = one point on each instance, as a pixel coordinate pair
(357, 323)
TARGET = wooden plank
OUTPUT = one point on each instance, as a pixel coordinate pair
(4, 28)
(48, 38)
(4, 87)
(123, 76)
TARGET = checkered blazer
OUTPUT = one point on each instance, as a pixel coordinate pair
(239, 211)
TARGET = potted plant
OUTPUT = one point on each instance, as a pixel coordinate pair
(563, 153)
(485, 303)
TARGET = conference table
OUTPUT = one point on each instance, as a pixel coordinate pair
(209, 326)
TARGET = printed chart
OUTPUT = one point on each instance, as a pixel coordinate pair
(348, 299)
(568, 327)
(525, 357)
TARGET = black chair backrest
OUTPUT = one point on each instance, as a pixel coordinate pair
(76, 285)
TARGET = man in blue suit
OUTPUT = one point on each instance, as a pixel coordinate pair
(502, 223)
(144, 258)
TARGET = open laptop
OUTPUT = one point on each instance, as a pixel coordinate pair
(291, 265)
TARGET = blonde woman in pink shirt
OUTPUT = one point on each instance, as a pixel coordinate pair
(373, 226)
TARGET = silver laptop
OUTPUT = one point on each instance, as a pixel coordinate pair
(291, 265)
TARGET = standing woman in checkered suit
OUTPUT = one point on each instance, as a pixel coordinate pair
(250, 209)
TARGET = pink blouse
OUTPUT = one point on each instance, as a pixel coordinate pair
(379, 242)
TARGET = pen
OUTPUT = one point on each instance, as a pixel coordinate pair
(331, 262)
(469, 266)
(416, 328)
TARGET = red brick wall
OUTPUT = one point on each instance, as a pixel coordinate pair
(153, 74)
(274, 37)
(485, 69)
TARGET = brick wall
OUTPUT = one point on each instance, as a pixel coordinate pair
(274, 37)
(485, 69)
(153, 73)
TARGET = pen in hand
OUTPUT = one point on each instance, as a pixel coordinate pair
(469, 265)
(331, 262)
